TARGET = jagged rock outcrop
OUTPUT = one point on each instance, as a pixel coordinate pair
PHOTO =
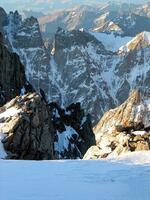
(26, 123)
(32, 129)
(126, 128)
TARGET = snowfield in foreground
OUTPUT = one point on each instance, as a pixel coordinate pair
(77, 180)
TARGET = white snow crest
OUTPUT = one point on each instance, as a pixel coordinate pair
(110, 41)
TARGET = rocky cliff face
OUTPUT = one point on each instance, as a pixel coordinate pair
(32, 129)
(124, 129)
(77, 63)
(24, 38)
(26, 123)
(85, 71)
(12, 75)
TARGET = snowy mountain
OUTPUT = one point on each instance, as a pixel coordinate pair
(54, 90)
(98, 78)
(24, 38)
(96, 69)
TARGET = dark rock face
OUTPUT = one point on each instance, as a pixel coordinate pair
(30, 130)
(28, 34)
(3, 18)
(12, 75)
(1, 38)
(74, 133)
(64, 39)
(24, 38)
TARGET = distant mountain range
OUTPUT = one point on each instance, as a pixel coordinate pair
(50, 5)
(44, 6)
(123, 19)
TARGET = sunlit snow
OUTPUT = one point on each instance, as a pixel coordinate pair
(110, 41)
(76, 180)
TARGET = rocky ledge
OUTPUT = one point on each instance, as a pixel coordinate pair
(124, 129)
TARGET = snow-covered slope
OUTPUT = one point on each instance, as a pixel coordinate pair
(65, 180)
(138, 158)
(111, 41)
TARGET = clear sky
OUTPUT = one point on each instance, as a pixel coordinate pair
(45, 5)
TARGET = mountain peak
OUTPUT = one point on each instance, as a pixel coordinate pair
(140, 41)
(66, 39)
